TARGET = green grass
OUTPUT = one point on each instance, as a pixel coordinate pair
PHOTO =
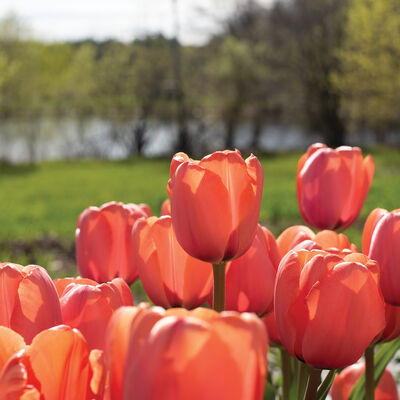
(47, 198)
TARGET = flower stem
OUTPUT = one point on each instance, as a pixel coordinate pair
(286, 373)
(219, 287)
(369, 373)
(314, 379)
(301, 379)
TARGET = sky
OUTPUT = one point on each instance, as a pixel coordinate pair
(54, 20)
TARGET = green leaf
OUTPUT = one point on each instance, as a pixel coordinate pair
(270, 392)
(382, 358)
(323, 389)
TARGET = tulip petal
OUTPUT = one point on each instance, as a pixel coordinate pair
(339, 306)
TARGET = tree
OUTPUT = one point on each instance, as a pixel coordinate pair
(308, 35)
(371, 65)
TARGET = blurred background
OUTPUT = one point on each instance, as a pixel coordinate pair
(96, 95)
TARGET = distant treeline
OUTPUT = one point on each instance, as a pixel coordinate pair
(327, 66)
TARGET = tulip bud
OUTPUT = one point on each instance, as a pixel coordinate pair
(89, 307)
(215, 204)
(29, 301)
(323, 304)
(250, 279)
(174, 349)
(345, 381)
(332, 185)
(170, 276)
(103, 241)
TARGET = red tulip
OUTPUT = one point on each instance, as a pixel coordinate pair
(170, 276)
(346, 380)
(215, 204)
(88, 307)
(332, 185)
(381, 237)
(189, 355)
(57, 365)
(323, 304)
(250, 279)
(29, 301)
(103, 241)
(299, 237)
(166, 207)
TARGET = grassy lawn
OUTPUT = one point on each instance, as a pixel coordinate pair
(47, 198)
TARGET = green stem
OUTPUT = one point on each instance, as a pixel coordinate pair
(302, 374)
(314, 379)
(286, 373)
(219, 287)
(369, 373)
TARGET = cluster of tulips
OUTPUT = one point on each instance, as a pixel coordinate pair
(224, 289)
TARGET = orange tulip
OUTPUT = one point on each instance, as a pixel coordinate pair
(29, 301)
(57, 365)
(170, 276)
(381, 236)
(250, 279)
(299, 237)
(332, 185)
(215, 204)
(190, 355)
(345, 381)
(323, 304)
(89, 306)
(103, 241)
(166, 207)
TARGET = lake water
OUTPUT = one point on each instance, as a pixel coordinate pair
(65, 139)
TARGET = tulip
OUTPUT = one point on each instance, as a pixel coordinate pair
(381, 236)
(250, 279)
(169, 275)
(215, 204)
(323, 304)
(346, 380)
(89, 307)
(29, 301)
(103, 241)
(190, 355)
(57, 365)
(299, 237)
(332, 185)
(166, 207)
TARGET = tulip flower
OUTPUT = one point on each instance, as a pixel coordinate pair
(215, 204)
(190, 355)
(166, 207)
(381, 236)
(169, 275)
(103, 241)
(89, 307)
(345, 381)
(332, 185)
(29, 301)
(57, 365)
(323, 304)
(299, 237)
(250, 279)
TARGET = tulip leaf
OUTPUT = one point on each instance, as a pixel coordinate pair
(382, 358)
(325, 386)
(270, 392)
